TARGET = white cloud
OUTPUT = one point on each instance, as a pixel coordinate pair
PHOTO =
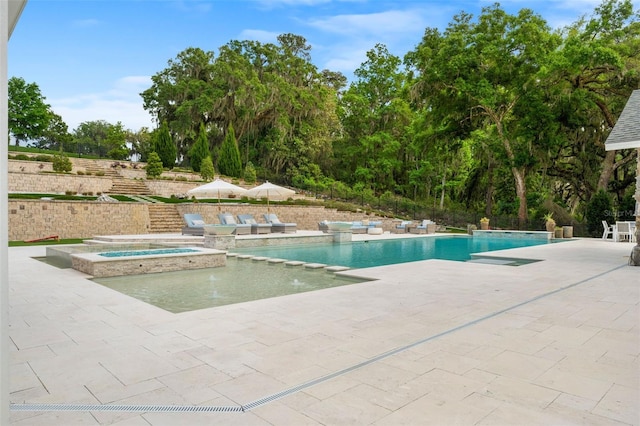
(259, 35)
(121, 103)
(393, 21)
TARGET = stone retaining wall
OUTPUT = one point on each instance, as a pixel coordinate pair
(57, 183)
(32, 219)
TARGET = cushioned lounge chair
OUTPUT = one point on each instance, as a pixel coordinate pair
(256, 228)
(194, 224)
(228, 219)
(402, 227)
(277, 226)
(426, 227)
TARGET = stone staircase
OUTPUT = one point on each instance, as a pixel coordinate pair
(93, 167)
(124, 186)
(164, 218)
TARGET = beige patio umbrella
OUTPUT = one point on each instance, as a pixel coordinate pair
(269, 191)
(216, 189)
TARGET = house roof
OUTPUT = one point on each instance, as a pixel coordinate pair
(626, 132)
(15, 8)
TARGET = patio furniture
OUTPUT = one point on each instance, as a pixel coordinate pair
(624, 232)
(608, 230)
(228, 219)
(194, 224)
(278, 226)
(402, 227)
(256, 228)
(426, 227)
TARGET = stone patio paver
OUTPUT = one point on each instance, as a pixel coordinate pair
(550, 342)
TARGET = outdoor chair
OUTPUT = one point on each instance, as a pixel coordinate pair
(623, 231)
(426, 227)
(608, 230)
(194, 224)
(278, 226)
(256, 228)
(228, 219)
(402, 227)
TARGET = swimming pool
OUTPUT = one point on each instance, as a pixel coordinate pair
(241, 280)
(244, 279)
(365, 254)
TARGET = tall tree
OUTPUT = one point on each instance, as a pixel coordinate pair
(183, 96)
(375, 113)
(56, 136)
(164, 146)
(229, 162)
(29, 115)
(200, 150)
(486, 69)
(595, 71)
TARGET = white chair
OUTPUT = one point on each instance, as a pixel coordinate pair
(623, 231)
(608, 230)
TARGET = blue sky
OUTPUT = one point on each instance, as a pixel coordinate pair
(92, 58)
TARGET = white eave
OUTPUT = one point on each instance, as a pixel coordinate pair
(15, 9)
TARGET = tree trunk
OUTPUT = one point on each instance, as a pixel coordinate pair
(490, 188)
(521, 193)
(608, 166)
(444, 181)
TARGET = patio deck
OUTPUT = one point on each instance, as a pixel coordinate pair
(430, 342)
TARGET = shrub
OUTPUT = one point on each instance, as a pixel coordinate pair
(250, 173)
(206, 169)
(598, 209)
(22, 157)
(61, 163)
(154, 165)
(43, 158)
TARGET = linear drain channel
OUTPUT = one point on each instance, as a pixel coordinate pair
(295, 389)
(127, 408)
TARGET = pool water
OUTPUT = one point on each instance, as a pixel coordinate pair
(364, 254)
(241, 280)
(128, 253)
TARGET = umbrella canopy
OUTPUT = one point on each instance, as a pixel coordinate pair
(216, 189)
(269, 191)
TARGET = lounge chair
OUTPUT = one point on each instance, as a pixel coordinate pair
(256, 228)
(608, 230)
(195, 224)
(426, 227)
(228, 219)
(402, 227)
(277, 226)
